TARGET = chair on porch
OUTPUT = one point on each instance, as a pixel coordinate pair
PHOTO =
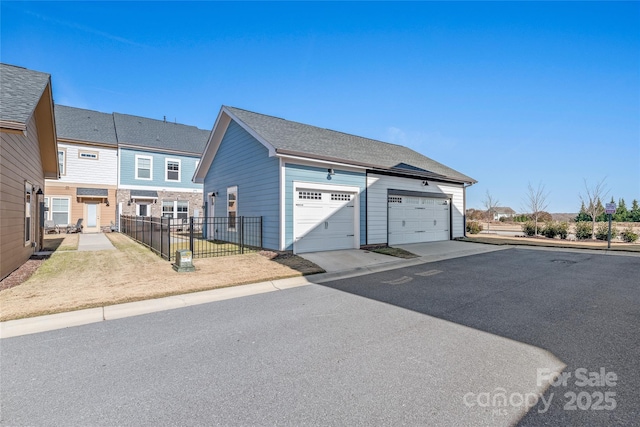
(50, 227)
(77, 228)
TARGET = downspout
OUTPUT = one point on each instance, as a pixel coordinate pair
(464, 208)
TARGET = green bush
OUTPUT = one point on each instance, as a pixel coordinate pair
(550, 230)
(521, 218)
(563, 229)
(583, 230)
(529, 228)
(628, 235)
(474, 227)
(602, 231)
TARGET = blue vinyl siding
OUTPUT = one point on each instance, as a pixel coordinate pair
(295, 172)
(243, 161)
(128, 170)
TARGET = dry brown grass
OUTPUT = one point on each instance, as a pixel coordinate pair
(72, 280)
(496, 239)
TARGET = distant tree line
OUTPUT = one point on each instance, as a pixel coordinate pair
(623, 214)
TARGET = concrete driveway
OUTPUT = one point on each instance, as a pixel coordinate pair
(353, 259)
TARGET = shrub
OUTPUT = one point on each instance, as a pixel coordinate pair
(529, 228)
(602, 231)
(521, 218)
(474, 227)
(628, 235)
(583, 230)
(550, 230)
(563, 229)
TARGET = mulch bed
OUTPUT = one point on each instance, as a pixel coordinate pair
(21, 274)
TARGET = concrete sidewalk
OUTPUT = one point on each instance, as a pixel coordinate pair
(94, 242)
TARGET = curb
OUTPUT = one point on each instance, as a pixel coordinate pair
(50, 322)
(32, 325)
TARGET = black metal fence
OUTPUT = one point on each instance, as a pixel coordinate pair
(203, 236)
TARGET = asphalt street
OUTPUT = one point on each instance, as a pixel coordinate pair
(583, 308)
(435, 344)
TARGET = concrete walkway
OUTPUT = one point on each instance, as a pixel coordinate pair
(94, 242)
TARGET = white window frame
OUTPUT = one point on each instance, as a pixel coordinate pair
(63, 170)
(150, 158)
(88, 155)
(50, 213)
(28, 199)
(173, 208)
(177, 212)
(232, 190)
(166, 170)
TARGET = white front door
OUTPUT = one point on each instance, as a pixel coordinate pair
(324, 220)
(417, 219)
(92, 218)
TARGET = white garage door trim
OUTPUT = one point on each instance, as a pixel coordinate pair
(422, 219)
(326, 189)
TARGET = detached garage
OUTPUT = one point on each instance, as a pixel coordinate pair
(319, 190)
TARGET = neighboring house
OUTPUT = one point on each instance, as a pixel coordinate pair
(502, 212)
(318, 189)
(28, 155)
(157, 160)
(88, 163)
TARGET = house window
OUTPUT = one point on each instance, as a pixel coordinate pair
(232, 206)
(167, 209)
(173, 170)
(144, 166)
(91, 155)
(28, 191)
(62, 164)
(59, 210)
(183, 209)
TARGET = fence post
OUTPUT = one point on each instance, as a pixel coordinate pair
(241, 234)
(169, 238)
(261, 232)
(191, 235)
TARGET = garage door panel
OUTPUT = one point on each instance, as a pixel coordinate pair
(324, 220)
(417, 219)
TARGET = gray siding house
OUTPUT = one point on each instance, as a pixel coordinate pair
(318, 189)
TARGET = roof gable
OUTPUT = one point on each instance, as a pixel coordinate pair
(21, 92)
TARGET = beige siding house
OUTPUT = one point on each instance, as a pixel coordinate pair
(28, 155)
(88, 162)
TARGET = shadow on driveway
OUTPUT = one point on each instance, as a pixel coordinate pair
(583, 308)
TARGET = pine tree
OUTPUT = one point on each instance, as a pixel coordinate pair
(601, 216)
(583, 215)
(635, 211)
(622, 214)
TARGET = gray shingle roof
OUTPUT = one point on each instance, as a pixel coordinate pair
(143, 132)
(20, 91)
(85, 125)
(98, 192)
(289, 137)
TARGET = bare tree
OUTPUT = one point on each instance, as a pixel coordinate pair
(536, 202)
(592, 201)
(490, 203)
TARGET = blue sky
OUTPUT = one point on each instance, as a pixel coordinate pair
(505, 92)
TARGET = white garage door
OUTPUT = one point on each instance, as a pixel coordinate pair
(417, 219)
(323, 220)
